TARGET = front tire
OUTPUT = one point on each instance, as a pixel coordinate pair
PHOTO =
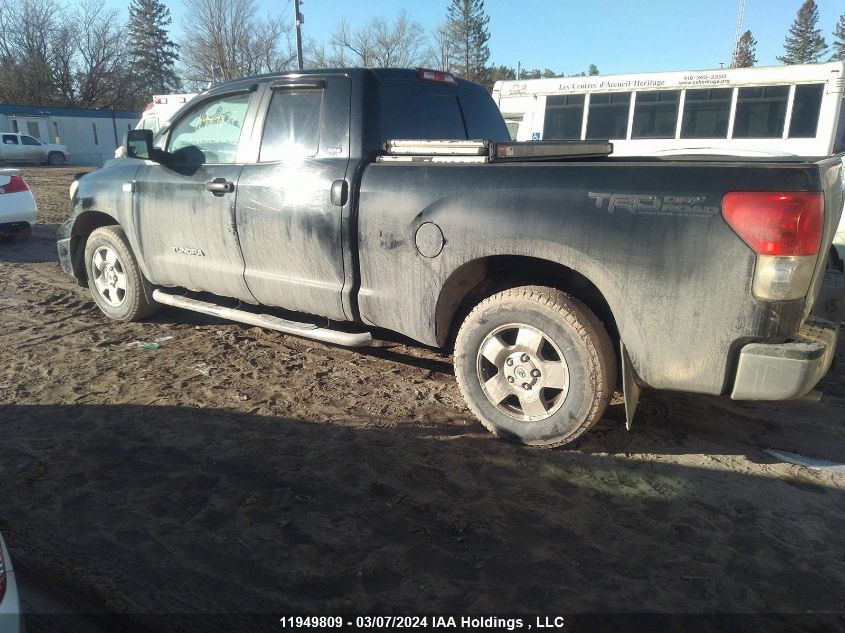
(535, 366)
(55, 159)
(114, 277)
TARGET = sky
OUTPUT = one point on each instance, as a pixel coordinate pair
(618, 36)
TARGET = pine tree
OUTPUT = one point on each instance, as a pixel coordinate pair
(839, 40)
(468, 37)
(745, 55)
(151, 50)
(804, 44)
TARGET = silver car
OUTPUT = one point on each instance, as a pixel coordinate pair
(16, 147)
(11, 620)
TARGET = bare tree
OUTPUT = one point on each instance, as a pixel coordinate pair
(317, 55)
(63, 62)
(27, 29)
(378, 43)
(225, 39)
(103, 57)
(437, 53)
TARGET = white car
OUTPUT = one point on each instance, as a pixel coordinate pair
(16, 147)
(17, 206)
(11, 619)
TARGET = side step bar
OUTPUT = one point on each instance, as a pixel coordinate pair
(306, 330)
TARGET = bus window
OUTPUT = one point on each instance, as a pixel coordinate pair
(706, 113)
(564, 114)
(760, 112)
(804, 122)
(608, 115)
(656, 114)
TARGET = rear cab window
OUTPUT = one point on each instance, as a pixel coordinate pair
(429, 110)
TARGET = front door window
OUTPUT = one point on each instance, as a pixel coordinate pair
(210, 133)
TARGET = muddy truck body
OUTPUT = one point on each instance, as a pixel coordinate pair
(327, 204)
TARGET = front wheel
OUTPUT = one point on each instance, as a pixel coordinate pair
(55, 159)
(535, 365)
(114, 278)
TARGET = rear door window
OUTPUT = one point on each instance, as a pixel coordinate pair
(10, 139)
(292, 126)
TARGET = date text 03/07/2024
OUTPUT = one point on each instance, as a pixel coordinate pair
(425, 622)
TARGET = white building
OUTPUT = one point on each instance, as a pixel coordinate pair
(91, 136)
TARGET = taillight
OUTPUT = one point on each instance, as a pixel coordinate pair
(17, 183)
(782, 223)
(785, 230)
(2, 576)
(436, 75)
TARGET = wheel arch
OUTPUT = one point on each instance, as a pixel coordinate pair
(85, 224)
(477, 279)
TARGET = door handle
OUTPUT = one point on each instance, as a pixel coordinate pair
(219, 186)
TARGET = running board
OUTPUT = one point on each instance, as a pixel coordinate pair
(306, 330)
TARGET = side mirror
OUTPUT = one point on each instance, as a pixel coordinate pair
(138, 144)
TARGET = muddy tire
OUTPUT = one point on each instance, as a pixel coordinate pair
(55, 159)
(535, 366)
(114, 278)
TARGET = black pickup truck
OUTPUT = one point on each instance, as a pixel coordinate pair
(361, 199)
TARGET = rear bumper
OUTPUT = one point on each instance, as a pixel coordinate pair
(786, 370)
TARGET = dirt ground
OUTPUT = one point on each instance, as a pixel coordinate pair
(236, 470)
(50, 186)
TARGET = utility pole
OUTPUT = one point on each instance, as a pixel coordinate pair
(299, 21)
(740, 20)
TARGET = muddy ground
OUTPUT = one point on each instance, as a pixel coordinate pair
(51, 186)
(235, 470)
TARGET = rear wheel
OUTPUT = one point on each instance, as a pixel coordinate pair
(55, 159)
(114, 278)
(535, 365)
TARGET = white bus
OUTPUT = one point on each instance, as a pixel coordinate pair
(771, 111)
(778, 110)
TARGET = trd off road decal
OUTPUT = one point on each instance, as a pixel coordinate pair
(648, 204)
